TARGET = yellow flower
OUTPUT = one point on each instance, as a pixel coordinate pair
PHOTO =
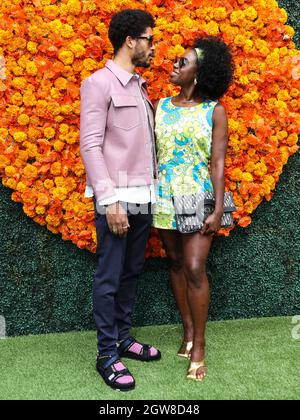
(29, 99)
(90, 64)
(19, 83)
(23, 119)
(283, 95)
(295, 93)
(248, 45)
(281, 135)
(3, 134)
(282, 106)
(71, 138)
(264, 51)
(178, 50)
(55, 93)
(60, 193)
(79, 169)
(270, 180)
(21, 187)
(233, 125)
(240, 40)
(250, 13)
(260, 169)
(236, 175)
(273, 59)
(67, 57)
(49, 133)
(290, 32)
(212, 28)
(52, 221)
(20, 136)
(33, 133)
(55, 26)
(31, 68)
(40, 210)
(30, 171)
(10, 183)
(32, 47)
(17, 99)
(220, 13)
(77, 49)
(63, 128)
(292, 139)
(237, 17)
(284, 16)
(177, 39)
(51, 11)
(54, 108)
(250, 166)
(32, 149)
(67, 31)
(247, 177)
(48, 184)
(58, 145)
(74, 7)
(66, 109)
(244, 80)
(10, 171)
(56, 168)
(248, 206)
(251, 97)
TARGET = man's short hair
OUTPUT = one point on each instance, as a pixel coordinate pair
(129, 22)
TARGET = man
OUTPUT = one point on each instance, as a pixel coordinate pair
(117, 147)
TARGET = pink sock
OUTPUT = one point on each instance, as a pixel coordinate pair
(136, 348)
(127, 379)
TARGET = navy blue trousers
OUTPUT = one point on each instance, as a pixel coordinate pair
(119, 264)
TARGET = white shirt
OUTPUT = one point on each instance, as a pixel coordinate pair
(140, 195)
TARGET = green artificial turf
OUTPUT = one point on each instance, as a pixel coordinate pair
(248, 359)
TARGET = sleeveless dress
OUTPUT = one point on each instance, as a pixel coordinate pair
(183, 142)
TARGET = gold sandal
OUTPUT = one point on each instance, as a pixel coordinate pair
(193, 368)
(185, 349)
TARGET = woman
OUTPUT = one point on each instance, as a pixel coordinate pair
(192, 135)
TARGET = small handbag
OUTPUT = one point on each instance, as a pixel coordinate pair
(192, 210)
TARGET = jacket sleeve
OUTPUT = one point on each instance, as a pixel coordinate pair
(93, 115)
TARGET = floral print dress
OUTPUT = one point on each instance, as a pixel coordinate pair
(183, 141)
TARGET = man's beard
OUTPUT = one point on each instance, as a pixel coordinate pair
(140, 60)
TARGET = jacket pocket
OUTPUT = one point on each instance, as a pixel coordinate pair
(126, 113)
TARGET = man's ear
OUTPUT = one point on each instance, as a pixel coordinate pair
(130, 42)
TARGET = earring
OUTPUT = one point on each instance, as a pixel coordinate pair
(195, 82)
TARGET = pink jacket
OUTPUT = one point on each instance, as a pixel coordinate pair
(114, 132)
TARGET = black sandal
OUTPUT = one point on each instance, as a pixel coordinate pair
(144, 355)
(106, 367)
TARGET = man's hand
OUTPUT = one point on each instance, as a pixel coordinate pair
(117, 219)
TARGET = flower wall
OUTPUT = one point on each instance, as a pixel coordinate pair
(47, 47)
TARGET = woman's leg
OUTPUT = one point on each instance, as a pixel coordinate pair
(173, 246)
(195, 252)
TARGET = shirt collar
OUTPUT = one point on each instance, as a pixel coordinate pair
(122, 74)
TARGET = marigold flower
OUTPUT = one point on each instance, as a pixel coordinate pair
(10, 171)
(48, 184)
(20, 136)
(30, 171)
(23, 119)
(56, 168)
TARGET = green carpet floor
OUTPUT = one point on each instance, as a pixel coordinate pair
(249, 359)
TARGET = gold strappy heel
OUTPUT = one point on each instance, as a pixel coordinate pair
(185, 349)
(193, 368)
